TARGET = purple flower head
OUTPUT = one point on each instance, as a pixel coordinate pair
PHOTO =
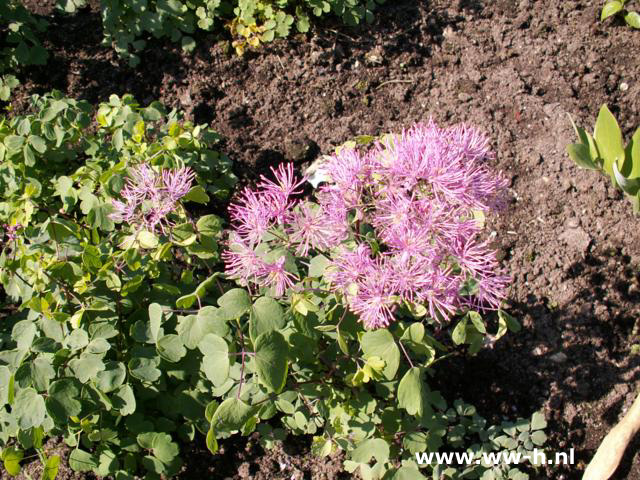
(149, 197)
(241, 261)
(398, 224)
(255, 211)
(276, 276)
(310, 226)
(11, 231)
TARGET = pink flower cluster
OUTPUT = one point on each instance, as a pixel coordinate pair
(149, 197)
(418, 191)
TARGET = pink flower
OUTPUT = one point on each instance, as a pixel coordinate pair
(149, 197)
(375, 299)
(309, 226)
(398, 224)
(241, 261)
(276, 276)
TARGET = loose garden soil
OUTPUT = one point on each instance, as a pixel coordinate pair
(515, 69)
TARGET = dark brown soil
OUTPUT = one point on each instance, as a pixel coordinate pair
(513, 68)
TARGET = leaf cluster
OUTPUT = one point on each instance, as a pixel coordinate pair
(617, 7)
(83, 354)
(605, 151)
(19, 43)
(129, 343)
(128, 24)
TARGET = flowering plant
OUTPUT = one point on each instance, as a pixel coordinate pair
(397, 227)
(125, 339)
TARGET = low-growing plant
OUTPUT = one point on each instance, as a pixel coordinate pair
(7, 84)
(127, 339)
(605, 151)
(617, 7)
(250, 22)
(19, 43)
(76, 357)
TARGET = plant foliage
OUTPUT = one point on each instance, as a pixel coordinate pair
(128, 23)
(617, 7)
(126, 339)
(605, 151)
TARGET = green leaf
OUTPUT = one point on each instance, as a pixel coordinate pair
(11, 457)
(628, 185)
(50, 471)
(77, 340)
(233, 304)
(41, 373)
(632, 19)
(144, 369)
(611, 8)
(5, 376)
(266, 315)
(38, 143)
(271, 360)
(23, 334)
(62, 401)
(13, 142)
(29, 408)
(82, 461)
(215, 363)
(111, 377)
(408, 472)
(538, 422)
(197, 194)
(193, 328)
(171, 348)
(580, 154)
(164, 449)
(411, 391)
(210, 225)
(459, 334)
(372, 448)
(124, 400)
(183, 235)
(318, 265)
(231, 415)
(631, 167)
(477, 322)
(87, 366)
(380, 343)
(608, 138)
(212, 442)
(147, 240)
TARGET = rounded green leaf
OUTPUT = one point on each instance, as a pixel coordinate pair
(611, 8)
(82, 461)
(632, 19)
(380, 343)
(231, 415)
(271, 360)
(233, 304)
(144, 369)
(171, 348)
(11, 457)
(29, 408)
(62, 401)
(111, 377)
(266, 315)
(164, 449)
(215, 363)
(124, 400)
(410, 392)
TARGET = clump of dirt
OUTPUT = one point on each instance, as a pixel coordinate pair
(517, 70)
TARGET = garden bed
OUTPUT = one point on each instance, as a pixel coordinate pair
(514, 69)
